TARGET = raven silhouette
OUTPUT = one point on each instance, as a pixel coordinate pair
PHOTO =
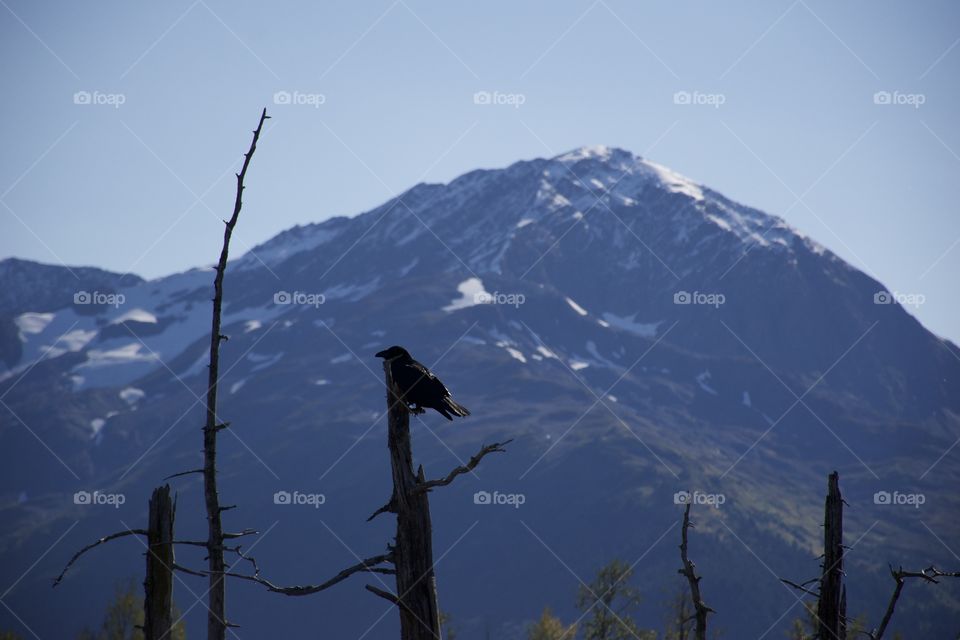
(418, 386)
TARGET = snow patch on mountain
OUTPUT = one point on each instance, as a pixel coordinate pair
(702, 379)
(128, 353)
(262, 361)
(96, 427)
(674, 182)
(546, 353)
(471, 293)
(573, 305)
(629, 323)
(594, 152)
(135, 315)
(516, 354)
(599, 359)
(74, 340)
(132, 395)
(32, 322)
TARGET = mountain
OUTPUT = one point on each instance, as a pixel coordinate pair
(637, 334)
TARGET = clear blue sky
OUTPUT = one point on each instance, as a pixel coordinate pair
(140, 187)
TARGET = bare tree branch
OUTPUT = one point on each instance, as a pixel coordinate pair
(390, 506)
(930, 574)
(496, 447)
(193, 572)
(245, 532)
(103, 540)
(386, 595)
(183, 473)
(367, 566)
(799, 587)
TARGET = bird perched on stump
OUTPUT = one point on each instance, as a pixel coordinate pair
(418, 386)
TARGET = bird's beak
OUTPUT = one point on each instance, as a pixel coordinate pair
(381, 354)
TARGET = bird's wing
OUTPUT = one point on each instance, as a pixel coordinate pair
(409, 374)
(413, 376)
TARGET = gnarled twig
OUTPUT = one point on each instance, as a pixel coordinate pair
(368, 566)
(496, 447)
(930, 574)
(103, 540)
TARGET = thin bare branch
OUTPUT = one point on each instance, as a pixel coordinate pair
(245, 532)
(930, 574)
(389, 507)
(798, 587)
(193, 572)
(386, 595)
(368, 565)
(496, 447)
(103, 540)
(183, 473)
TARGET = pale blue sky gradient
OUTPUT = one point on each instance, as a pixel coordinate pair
(141, 187)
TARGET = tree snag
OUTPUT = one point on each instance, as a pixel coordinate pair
(689, 572)
(832, 603)
(216, 606)
(413, 554)
(158, 584)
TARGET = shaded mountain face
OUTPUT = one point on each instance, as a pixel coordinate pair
(28, 286)
(637, 334)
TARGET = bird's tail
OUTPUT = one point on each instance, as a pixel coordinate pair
(455, 408)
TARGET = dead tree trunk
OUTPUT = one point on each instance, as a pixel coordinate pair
(832, 604)
(216, 607)
(413, 553)
(158, 585)
(689, 571)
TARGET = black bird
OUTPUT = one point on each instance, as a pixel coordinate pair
(418, 386)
